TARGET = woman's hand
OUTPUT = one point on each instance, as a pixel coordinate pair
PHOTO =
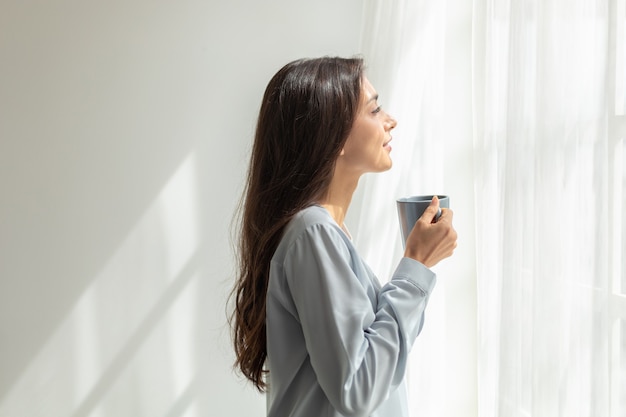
(431, 242)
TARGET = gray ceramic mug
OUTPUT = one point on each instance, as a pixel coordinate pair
(411, 208)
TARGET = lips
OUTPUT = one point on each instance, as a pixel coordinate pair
(386, 144)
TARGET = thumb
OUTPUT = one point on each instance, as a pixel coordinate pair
(432, 209)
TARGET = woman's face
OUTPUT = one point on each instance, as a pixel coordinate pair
(367, 147)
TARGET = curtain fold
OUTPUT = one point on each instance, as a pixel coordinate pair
(406, 44)
(403, 42)
(541, 146)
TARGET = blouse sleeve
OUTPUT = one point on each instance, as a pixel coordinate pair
(358, 349)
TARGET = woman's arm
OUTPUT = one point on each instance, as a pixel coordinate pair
(358, 348)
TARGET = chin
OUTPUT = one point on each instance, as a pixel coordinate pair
(386, 167)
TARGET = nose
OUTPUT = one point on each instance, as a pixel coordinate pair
(391, 122)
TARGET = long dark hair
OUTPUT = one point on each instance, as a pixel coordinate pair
(308, 109)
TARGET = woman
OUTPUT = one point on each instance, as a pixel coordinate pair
(312, 324)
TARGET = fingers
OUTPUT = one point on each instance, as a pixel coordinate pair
(446, 214)
(431, 242)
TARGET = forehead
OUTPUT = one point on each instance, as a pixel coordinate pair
(367, 89)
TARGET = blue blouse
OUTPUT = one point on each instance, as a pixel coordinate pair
(338, 342)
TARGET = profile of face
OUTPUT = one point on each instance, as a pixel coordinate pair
(367, 147)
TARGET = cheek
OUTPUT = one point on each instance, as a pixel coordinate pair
(365, 132)
(365, 136)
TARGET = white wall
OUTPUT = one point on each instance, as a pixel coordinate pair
(124, 135)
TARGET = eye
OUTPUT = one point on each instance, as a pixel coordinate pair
(377, 109)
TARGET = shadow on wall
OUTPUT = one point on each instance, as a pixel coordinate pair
(142, 339)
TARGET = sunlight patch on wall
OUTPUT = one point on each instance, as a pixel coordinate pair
(138, 312)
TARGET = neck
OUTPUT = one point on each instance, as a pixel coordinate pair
(338, 197)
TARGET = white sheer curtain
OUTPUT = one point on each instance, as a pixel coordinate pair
(535, 167)
(415, 62)
(541, 186)
(398, 37)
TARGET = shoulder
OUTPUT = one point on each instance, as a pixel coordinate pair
(312, 221)
(313, 225)
(309, 216)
